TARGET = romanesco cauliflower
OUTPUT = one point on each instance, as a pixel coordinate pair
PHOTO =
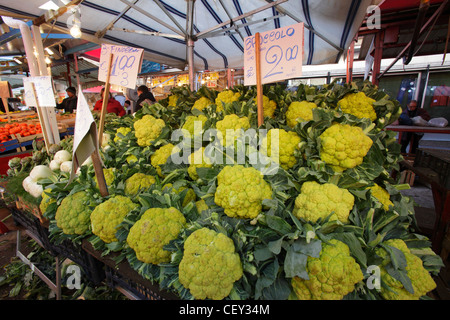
(210, 265)
(269, 106)
(46, 200)
(198, 159)
(359, 105)
(160, 157)
(299, 111)
(226, 96)
(190, 195)
(195, 129)
(241, 190)
(156, 228)
(284, 148)
(232, 125)
(73, 214)
(344, 146)
(421, 280)
(123, 131)
(109, 174)
(202, 103)
(173, 99)
(381, 195)
(148, 129)
(137, 182)
(331, 276)
(107, 216)
(320, 200)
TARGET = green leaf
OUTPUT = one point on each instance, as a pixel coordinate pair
(312, 249)
(278, 224)
(295, 264)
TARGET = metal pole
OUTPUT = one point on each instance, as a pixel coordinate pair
(190, 42)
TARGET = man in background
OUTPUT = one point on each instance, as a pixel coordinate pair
(69, 104)
(406, 118)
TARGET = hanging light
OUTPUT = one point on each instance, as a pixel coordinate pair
(47, 60)
(75, 31)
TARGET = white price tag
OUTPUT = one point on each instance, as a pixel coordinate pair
(125, 66)
(281, 55)
(45, 95)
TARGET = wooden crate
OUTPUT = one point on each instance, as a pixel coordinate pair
(34, 210)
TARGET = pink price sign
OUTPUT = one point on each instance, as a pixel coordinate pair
(281, 53)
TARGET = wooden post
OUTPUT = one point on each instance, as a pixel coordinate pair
(259, 98)
(96, 161)
(105, 100)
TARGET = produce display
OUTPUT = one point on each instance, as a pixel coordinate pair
(22, 128)
(207, 205)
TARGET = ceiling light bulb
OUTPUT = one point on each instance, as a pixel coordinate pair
(75, 31)
(47, 60)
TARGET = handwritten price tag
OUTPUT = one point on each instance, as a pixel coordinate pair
(126, 64)
(281, 55)
(45, 95)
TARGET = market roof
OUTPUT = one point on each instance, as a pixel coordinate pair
(220, 27)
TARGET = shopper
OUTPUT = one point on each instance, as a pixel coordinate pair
(145, 96)
(406, 118)
(127, 106)
(69, 104)
(113, 105)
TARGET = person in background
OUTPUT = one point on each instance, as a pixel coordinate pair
(406, 117)
(113, 105)
(69, 104)
(120, 97)
(127, 106)
(145, 96)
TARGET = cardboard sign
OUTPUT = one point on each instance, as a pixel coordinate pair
(43, 86)
(85, 135)
(281, 55)
(126, 65)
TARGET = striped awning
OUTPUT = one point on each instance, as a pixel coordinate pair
(218, 26)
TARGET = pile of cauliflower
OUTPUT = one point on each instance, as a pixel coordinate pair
(306, 229)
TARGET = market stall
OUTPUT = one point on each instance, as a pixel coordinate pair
(250, 192)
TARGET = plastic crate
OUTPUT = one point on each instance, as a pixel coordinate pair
(436, 160)
(138, 291)
(93, 269)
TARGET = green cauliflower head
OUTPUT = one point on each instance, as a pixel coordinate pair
(46, 200)
(156, 228)
(210, 265)
(381, 195)
(123, 131)
(232, 123)
(299, 111)
(198, 159)
(421, 280)
(320, 200)
(147, 129)
(138, 181)
(202, 103)
(359, 105)
(73, 214)
(107, 216)
(193, 127)
(190, 195)
(226, 96)
(344, 146)
(285, 147)
(269, 106)
(331, 276)
(173, 99)
(161, 156)
(240, 191)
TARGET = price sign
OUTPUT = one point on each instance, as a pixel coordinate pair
(45, 95)
(125, 66)
(281, 55)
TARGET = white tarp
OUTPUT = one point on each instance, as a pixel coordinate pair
(330, 26)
